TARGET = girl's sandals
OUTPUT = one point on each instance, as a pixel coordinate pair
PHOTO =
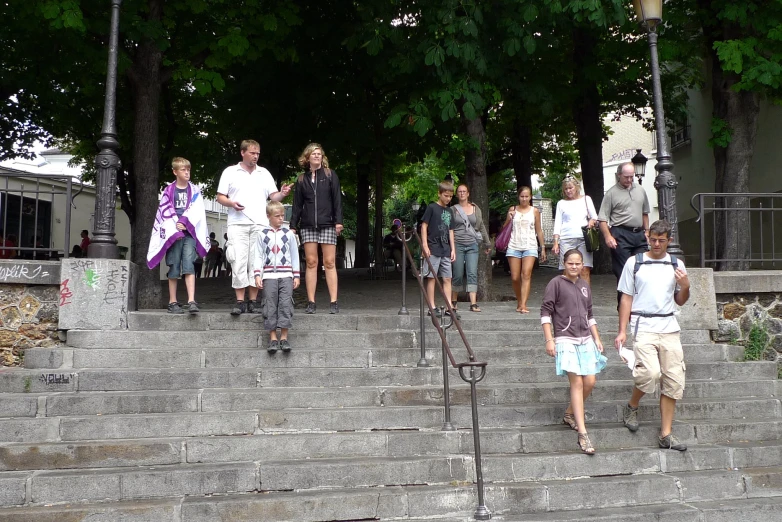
(570, 420)
(475, 308)
(585, 445)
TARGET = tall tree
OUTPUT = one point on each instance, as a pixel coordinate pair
(176, 48)
(744, 46)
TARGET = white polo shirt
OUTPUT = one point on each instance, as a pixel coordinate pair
(251, 189)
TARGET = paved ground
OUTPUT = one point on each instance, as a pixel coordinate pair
(359, 291)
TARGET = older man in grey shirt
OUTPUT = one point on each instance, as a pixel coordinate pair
(625, 209)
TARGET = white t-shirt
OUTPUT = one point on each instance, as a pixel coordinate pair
(652, 289)
(251, 189)
(572, 215)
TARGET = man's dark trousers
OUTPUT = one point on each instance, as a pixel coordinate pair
(628, 243)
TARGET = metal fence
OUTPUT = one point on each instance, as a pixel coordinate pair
(764, 212)
(27, 223)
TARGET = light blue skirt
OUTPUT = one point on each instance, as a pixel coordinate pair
(581, 359)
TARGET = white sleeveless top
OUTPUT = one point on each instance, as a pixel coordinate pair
(523, 236)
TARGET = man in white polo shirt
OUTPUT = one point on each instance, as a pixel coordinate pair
(244, 188)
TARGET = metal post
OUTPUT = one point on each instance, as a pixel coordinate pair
(422, 362)
(104, 244)
(447, 426)
(665, 182)
(68, 203)
(481, 512)
(403, 309)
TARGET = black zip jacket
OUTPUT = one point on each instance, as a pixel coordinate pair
(319, 204)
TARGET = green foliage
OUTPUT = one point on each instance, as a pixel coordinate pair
(28, 383)
(756, 342)
(750, 44)
(721, 133)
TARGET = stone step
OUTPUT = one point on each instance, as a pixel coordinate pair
(321, 338)
(420, 504)
(306, 357)
(577, 482)
(760, 446)
(479, 339)
(238, 339)
(72, 428)
(762, 509)
(221, 320)
(238, 399)
(103, 379)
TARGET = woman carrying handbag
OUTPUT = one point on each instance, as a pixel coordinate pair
(574, 213)
(526, 234)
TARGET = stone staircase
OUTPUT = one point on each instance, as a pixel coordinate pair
(189, 419)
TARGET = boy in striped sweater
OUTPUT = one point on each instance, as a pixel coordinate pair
(276, 270)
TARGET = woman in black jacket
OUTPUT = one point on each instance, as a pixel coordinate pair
(317, 214)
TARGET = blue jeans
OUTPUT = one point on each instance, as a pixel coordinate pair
(181, 256)
(466, 258)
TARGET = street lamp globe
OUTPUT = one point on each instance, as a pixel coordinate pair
(649, 12)
(639, 164)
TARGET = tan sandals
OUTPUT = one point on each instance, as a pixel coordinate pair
(570, 420)
(585, 445)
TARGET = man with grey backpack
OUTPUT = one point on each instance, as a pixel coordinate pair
(652, 284)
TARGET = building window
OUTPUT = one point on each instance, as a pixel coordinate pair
(680, 134)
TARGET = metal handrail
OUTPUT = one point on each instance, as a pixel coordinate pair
(67, 191)
(760, 209)
(408, 234)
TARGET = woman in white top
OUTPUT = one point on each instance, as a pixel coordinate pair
(573, 212)
(522, 251)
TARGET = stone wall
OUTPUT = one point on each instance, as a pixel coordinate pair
(29, 311)
(748, 298)
(738, 312)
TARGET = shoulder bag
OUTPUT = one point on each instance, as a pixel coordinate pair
(591, 235)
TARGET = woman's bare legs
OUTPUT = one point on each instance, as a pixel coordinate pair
(515, 277)
(586, 275)
(311, 277)
(527, 264)
(587, 385)
(329, 263)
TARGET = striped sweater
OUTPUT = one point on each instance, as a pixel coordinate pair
(276, 254)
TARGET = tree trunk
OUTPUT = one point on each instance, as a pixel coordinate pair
(521, 151)
(146, 82)
(362, 213)
(377, 236)
(732, 163)
(588, 119)
(475, 167)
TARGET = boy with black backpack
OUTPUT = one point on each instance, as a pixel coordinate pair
(652, 284)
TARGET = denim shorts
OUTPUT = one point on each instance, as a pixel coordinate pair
(520, 254)
(181, 256)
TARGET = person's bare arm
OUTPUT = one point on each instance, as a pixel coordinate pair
(228, 202)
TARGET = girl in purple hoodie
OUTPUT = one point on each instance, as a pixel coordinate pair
(571, 336)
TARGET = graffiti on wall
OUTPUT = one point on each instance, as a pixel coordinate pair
(22, 271)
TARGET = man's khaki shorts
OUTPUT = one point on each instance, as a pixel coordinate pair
(659, 359)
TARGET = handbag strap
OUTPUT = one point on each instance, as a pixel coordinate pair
(464, 217)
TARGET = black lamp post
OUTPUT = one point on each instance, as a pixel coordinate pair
(650, 13)
(104, 244)
(639, 163)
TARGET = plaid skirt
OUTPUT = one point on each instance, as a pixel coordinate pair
(323, 236)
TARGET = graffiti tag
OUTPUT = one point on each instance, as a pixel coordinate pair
(22, 271)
